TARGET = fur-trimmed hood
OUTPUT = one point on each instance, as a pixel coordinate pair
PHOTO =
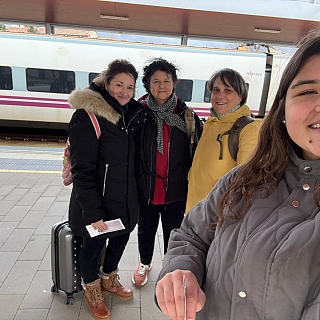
(92, 101)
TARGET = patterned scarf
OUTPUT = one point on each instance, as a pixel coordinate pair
(165, 113)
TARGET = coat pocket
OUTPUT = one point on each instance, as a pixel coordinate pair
(105, 179)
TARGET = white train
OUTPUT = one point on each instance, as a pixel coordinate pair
(37, 73)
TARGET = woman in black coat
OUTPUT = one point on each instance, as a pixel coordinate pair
(104, 185)
(163, 160)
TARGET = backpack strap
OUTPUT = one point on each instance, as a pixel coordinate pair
(219, 137)
(233, 140)
(191, 126)
(95, 123)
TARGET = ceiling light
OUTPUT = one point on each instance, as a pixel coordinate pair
(266, 30)
(103, 16)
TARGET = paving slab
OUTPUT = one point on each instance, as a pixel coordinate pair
(30, 203)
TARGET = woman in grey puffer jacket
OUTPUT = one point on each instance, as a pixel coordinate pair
(251, 249)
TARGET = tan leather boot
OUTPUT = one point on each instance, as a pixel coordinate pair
(110, 284)
(95, 300)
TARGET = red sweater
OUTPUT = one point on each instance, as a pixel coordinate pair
(162, 163)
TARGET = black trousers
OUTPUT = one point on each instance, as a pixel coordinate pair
(89, 258)
(171, 217)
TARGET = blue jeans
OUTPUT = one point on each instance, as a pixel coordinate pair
(89, 259)
(171, 217)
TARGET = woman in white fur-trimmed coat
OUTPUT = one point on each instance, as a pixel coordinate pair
(104, 186)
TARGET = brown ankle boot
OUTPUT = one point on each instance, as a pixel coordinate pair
(110, 284)
(95, 300)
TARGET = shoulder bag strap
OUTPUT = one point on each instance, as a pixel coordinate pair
(191, 126)
(95, 123)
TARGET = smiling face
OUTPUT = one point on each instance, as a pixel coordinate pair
(302, 109)
(121, 87)
(161, 86)
(223, 97)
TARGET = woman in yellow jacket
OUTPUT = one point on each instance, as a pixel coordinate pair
(212, 158)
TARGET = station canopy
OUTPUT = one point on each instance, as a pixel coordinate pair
(268, 21)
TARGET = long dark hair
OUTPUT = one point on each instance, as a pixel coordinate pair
(266, 167)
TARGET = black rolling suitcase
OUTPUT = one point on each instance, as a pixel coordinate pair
(65, 248)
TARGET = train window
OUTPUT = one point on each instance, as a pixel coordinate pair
(92, 75)
(45, 80)
(5, 78)
(184, 89)
(207, 93)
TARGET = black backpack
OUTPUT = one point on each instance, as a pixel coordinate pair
(234, 133)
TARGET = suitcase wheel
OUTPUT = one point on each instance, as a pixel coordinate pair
(54, 288)
(69, 299)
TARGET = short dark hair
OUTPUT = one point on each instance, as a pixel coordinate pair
(158, 64)
(115, 67)
(235, 80)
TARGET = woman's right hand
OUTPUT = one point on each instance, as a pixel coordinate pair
(170, 295)
(99, 225)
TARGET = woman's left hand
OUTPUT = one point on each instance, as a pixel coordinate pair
(99, 225)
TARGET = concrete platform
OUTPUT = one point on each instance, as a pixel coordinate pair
(32, 199)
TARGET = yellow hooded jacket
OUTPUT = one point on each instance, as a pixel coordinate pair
(206, 167)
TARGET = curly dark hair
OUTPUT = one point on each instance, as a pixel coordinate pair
(159, 64)
(267, 165)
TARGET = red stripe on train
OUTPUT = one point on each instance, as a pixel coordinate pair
(35, 104)
(32, 98)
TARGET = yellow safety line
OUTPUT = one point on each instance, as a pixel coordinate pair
(30, 171)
